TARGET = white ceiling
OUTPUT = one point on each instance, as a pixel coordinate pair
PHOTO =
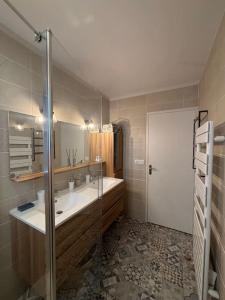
(127, 47)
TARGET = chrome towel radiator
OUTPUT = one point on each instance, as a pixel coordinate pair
(204, 139)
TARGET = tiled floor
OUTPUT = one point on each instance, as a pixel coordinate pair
(138, 261)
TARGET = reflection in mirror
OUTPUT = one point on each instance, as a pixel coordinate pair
(70, 144)
(25, 144)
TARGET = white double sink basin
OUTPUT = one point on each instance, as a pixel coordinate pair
(67, 204)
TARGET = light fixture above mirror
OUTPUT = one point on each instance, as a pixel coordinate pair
(40, 119)
(88, 125)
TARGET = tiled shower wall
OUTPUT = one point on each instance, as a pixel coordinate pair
(131, 114)
(212, 97)
(21, 91)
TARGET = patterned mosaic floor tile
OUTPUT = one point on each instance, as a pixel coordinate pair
(172, 275)
(172, 292)
(138, 261)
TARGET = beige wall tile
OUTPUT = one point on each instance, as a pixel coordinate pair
(37, 85)
(134, 173)
(136, 203)
(14, 50)
(105, 111)
(131, 114)
(36, 63)
(212, 88)
(138, 122)
(212, 98)
(20, 68)
(3, 119)
(67, 113)
(36, 103)
(15, 98)
(220, 110)
(4, 211)
(9, 189)
(137, 102)
(4, 140)
(164, 106)
(15, 74)
(4, 159)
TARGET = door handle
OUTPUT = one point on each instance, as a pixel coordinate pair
(150, 169)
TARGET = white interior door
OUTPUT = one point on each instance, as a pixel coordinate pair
(171, 184)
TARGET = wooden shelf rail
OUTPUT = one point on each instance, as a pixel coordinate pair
(37, 175)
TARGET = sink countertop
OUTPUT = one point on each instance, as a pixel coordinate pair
(35, 217)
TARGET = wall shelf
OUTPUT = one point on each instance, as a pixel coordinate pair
(33, 176)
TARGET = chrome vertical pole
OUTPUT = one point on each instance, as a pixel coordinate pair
(49, 173)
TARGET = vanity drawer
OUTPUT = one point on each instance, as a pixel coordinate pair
(109, 217)
(69, 261)
(69, 232)
(112, 196)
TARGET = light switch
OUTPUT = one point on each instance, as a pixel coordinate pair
(139, 161)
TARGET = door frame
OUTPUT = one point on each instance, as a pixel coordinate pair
(192, 108)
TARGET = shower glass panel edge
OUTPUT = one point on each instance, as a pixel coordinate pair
(48, 170)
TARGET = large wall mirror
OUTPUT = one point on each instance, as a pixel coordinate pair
(70, 142)
(26, 144)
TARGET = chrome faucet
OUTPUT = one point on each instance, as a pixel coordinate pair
(95, 175)
(77, 179)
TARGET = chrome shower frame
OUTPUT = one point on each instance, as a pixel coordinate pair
(49, 170)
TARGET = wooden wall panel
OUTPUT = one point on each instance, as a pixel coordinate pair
(102, 144)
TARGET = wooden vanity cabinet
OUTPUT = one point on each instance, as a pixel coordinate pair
(74, 239)
(113, 205)
(28, 252)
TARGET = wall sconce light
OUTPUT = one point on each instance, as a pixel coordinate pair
(40, 119)
(89, 125)
(19, 127)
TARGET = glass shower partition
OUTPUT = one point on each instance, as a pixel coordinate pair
(51, 169)
(26, 174)
(77, 110)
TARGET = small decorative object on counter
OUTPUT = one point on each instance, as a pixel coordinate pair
(87, 178)
(41, 195)
(25, 206)
(41, 199)
(98, 158)
(71, 184)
